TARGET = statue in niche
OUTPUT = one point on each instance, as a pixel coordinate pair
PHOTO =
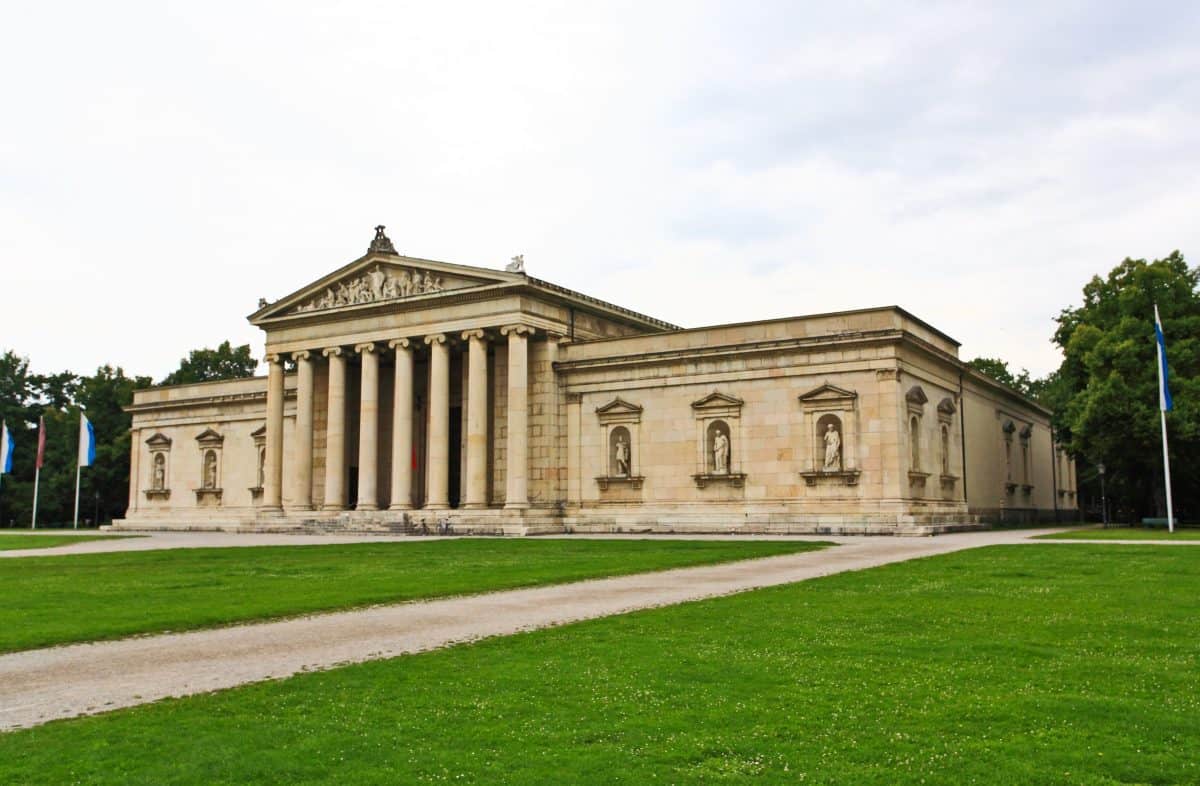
(721, 454)
(262, 466)
(621, 455)
(160, 472)
(210, 470)
(833, 449)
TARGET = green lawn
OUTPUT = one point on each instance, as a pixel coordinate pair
(1006, 665)
(52, 600)
(31, 541)
(1125, 533)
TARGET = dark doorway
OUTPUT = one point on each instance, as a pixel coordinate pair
(352, 489)
(455, 474)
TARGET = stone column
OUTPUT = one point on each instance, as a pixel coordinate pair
(335, 432)
(273, 480)
(302, 471)
(368, 429)
(477, 419)
(437, 471)
(402, 426)
(516, 494)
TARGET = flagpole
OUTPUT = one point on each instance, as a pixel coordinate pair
(1164, 403)
(1167, 472)
(37, 475)
(78, 469)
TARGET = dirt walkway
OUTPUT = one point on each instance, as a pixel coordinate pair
(37, 686)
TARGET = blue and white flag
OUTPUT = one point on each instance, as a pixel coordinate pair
(1164, 390)
(6, 450)
(87, 442)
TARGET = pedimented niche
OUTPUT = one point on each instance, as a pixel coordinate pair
(831, 436)
(160, 477)
(619, 438)
(718, 440)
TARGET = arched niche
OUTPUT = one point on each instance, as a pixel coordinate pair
(914, 443)
(718, 447)
(620, 452)
(828, 442)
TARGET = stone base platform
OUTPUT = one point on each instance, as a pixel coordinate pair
(538, 521)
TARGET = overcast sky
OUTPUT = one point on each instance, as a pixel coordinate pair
(164, 165)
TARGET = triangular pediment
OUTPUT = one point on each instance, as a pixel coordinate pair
(159, 440)
(717, 400)
(827, 392)
(380, 278)
(618, 406)
(916, 395)
(209, 437)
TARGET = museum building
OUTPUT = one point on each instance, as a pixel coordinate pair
(404, 394)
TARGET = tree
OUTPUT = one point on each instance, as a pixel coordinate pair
(205, 365)
(1023, 383)
(1106, 391)
(58, 399)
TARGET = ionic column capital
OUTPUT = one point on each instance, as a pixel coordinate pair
(273, 357)
(516, 330)
(476, 334)
(436, 338)
(399, 343)
(303, 354)
(332, 352)
(366, 347)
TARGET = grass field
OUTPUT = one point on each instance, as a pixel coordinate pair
(1032, 664)
(1126, 533)
(13, 542)
(52, 600)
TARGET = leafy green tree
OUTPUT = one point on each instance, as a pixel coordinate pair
(1106, 390)
(1023, 383)
(205, 365)
(59, 398)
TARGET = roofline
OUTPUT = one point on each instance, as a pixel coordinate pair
(776, 320)
(508, 279)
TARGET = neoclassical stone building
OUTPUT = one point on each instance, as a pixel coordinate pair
(405, 393)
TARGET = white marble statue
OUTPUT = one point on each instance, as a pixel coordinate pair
(721, 454)
(621, 454)
(833, 448)
(210, 471)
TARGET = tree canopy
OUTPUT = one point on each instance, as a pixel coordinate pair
(59, 398)
(206, 365)
(1022, 382)
(1106, 390)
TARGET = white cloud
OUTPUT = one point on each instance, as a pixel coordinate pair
(703, 163)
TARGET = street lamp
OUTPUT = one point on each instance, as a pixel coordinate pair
(1103, 496)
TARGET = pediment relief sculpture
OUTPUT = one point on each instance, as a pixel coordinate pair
(378, 283)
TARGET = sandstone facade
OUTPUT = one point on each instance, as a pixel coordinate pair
(407, 393)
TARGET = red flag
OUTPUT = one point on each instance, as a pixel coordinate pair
(41, 441)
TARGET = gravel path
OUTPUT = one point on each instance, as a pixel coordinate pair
(37, 686)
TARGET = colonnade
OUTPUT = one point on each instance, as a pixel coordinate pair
(437, 473)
